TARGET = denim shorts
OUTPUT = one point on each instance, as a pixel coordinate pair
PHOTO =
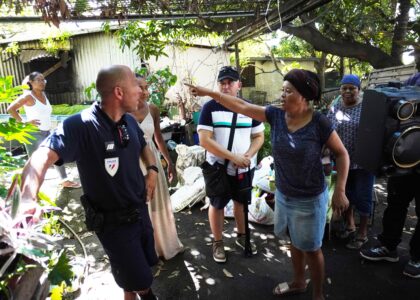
(359, 189)
(240, 193)
(131, 252)
(303, 218)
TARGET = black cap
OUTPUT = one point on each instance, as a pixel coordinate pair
(228, 72)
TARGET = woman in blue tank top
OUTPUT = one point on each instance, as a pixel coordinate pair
(298, 134)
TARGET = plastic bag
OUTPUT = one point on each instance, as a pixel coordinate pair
(264, 175)
(188, 195)
(258, 211)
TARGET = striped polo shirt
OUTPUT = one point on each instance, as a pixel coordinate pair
(218, 119)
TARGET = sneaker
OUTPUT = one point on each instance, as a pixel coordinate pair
(240, 241)
(412, 269)
(380, 253)
(219, 254)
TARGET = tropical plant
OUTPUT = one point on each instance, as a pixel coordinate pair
(9, 92)
(90, 91)
(12, 48)
(159, 83)
(22, 237)
(11, 131)
(23, 242)
(67, 110)
(151, 38)
(53, 44)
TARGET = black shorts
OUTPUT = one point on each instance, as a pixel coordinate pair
(237, 183)
(131, 251)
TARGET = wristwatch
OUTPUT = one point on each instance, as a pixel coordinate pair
(152, 167)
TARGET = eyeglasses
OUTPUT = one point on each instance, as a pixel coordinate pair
(123, 135)
(41, 80)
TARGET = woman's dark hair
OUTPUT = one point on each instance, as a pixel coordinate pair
(306, 82)
(139, 76)
(31, 77)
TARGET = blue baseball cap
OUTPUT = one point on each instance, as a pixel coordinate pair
(351, 79)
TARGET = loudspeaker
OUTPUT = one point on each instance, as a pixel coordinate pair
(388, 139)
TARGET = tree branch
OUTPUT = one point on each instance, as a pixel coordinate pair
(340, 47)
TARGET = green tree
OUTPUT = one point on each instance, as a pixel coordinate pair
(150, 38)
(374, 31)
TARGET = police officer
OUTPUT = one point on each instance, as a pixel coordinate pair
(106, 144)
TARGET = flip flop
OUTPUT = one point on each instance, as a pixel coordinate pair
(284, 289)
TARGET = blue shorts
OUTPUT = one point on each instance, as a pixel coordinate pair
(303, 218)
(131, 251)
(237, 183)
(359, 189)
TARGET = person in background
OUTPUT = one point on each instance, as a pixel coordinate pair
(298, 134)
(106, 143)
(345, 117)
(38, 112)
(167, 243)
(401, 191)
(214, 127)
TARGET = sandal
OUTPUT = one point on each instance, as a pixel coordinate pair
(357, 243)
(348, 232)
(285, 289)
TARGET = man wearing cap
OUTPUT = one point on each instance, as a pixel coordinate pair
(345, 117)
(214, 128)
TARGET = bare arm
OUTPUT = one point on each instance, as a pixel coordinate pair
(207, 142)
(340, 202)
(149, 160)
(233, 103)
(160, 141)
(257, 140)
(13, 109)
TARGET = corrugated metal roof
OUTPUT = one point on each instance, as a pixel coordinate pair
(92, 52)
(27, 55)
(24, 32)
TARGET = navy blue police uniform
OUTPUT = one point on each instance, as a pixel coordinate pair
(107, 157)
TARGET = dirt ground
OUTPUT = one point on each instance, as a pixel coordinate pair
(194, 275)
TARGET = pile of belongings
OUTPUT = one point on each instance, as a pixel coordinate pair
(190, 177)
(188, 156)
(191, 192)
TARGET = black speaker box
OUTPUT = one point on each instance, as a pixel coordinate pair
(388, 139)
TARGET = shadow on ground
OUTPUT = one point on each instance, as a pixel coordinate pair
(194, 275)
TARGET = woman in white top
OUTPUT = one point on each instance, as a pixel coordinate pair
(167, 243)
(38, 112)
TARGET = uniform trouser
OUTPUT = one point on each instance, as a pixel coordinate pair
(401, 191)
(30, 148)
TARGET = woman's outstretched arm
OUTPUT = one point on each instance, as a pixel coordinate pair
(233, 103)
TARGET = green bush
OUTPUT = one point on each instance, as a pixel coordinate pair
(66, 109)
